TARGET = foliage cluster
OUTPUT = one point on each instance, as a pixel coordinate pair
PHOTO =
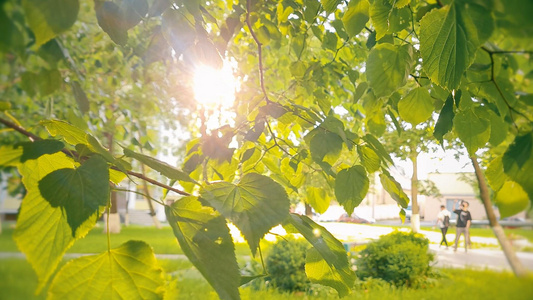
(402, 259)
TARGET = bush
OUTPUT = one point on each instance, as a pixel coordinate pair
(285, 265)
(399, 258)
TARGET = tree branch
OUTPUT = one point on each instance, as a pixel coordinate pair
(74, 154)
(259, 50)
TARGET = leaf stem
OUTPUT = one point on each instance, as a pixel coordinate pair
(259, 50)
(107, 224)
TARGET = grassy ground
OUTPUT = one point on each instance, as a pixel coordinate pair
(17, 281)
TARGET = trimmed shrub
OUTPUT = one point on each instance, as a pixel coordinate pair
(285, 265)
(399, 258)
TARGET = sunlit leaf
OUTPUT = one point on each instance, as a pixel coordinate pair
(330, 5)
(330, 254)
(496, 177)
(416, 107)
(356, 17)
(394, 189)
(70, 133)
(351, 186)
(318, 199)
(388, 67)
(161, 167)
(518, 162)
(43, 233)
(369, 158)
(255, 204)
(130, 271)
(326, 146)
(48, 18)
(511, 199)
(473, 131)
(10, 155)
(204, 237)
(78, 192)
(448, 44)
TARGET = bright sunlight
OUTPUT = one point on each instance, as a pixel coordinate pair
(214, 88)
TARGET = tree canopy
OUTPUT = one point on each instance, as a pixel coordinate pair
(85, 86)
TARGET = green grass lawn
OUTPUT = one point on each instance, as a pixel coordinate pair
(17, 281)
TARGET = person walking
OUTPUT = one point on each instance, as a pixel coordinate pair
(443, 221)
(464, 220)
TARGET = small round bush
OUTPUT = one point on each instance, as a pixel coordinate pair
(285, 265)
(399, 258)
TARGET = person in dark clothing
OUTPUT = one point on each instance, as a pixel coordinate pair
(443, 221)
(464, 220)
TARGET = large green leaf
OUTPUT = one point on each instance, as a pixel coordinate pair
(375, 144)
(511, 199)
(318, 199)
(255, 205)
(34, 150)
(48, 18)
(369, 158)
(78, 192)
(70, 133)
(337, 273)
(356, 17)
(130, 271)
(394, 189)
(473, 131)
(388, 67)
(388, 19)
(445, 120)
(496, 177)
(448, 44)
(204, 237)
(351, 186)
(161, 167)
(518, 162)
(10, 156)
(42, 231)
(416, 107)
(325, 146)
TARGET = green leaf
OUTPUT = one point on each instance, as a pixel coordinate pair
(369, 158)
(48, 18)
(473, 131)
(448, 44)
(72, 135)
(378, 148)
(42, 231)
(388, 19)
(81, 97)
(356, 17)
(445, 120)
(388, 67)
(394, 189)
(351, 186)
(483, 19)
(511, 199)
(496, 177)
(518, 162)
(325, 146)
(78, 192)
(339, 276)
(330, 5)
(111, 21)
(10, 36)
(204, 237)
(255, 205)
(318, 199)
(416, 107)
(34, 150)
(498, 126)
(10, 155)
(130, 271)
(161, 167)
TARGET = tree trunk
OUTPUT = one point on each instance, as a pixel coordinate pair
(513, 260)
(308, 210)
(157, 224)
(415, 217)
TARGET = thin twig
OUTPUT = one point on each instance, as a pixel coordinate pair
(139, 193)
(274, 138)
(74, 154)
(259, 50)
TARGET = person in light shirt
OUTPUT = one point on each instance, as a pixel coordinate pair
(443, 221)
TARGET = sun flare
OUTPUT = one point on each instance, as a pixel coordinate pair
(214, 88)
